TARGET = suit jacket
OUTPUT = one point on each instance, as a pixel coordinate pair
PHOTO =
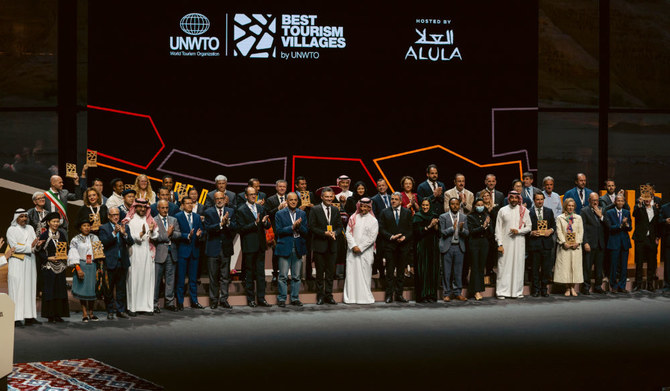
(219, 238)
(618, 239)
(112, 246)
(533, 190)
(498, 197)
(388, 228)
(594, 228)
(189, 248)
(447, 231)
(162, 241)
(663, 226)
(535, 243)
(607, 204)
(198, 208)
(209, 200)
(284, 231)
(252, 235)
(574, 194)
(469, 199)
(173, 209)
(378, 203)
(241, 198)
(425, 191)
(318, 224)
(64, 195)
(643, 225)
(272, 206)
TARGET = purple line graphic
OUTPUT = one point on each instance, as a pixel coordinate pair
(160, 167)
(493, 133)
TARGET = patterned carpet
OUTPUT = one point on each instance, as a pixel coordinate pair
(85, 374)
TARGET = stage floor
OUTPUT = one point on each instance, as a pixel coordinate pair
(589, 342)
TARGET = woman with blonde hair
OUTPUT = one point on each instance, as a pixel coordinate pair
(569, 233)
(143, 188)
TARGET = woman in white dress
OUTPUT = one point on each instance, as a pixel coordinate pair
(568, 268)
(361, 235)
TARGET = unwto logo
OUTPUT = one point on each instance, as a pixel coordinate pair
(194, 24)
(254, 35)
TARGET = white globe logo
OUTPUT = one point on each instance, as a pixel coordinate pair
(194, 24)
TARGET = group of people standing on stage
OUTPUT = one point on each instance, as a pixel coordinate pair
(134, 241)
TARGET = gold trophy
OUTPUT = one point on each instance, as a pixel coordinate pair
(646, 192)
(70, 170)
(542, 227)
(571, 238)
(98, 251)
(91, 158)
(336, 204)
(95, 221)
(61, 251)
(182, 190)
(304, 197)
(128, 186)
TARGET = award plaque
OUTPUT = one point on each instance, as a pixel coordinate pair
(336, 204)
(646, 192)
(329, 228)
(542, 227)
(91, 158)
(70, 170)
(128, 186)
(98, 250)
(571, 238)
(95, 221)
(304, 197)
(182, 190)
(61, 250)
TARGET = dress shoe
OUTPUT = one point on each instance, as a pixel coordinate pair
(170, 308)
(264, 303)
(460, 298)
(599, 291)
(110, 316)
(545, 294)
(535, 294)
(197, 305)
(330, 300)
(388, 300)
(401, 299)
(32, 321)
(122, 315)
(636, 288)
(251, 304)
(297, 303)
(147, 313)
(225, 304)
(213, 305)
(132, 313)
(18, 323)
(281, 304)
(51, 320)
(447, 299)
(94, 318)
(58, 319)
(319, 301)
(613, 291)
(622, 290)
(157, 310)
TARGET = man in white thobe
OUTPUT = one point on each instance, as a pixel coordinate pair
(22, 273)
(141, 273)
(512, 224)
(361, 235)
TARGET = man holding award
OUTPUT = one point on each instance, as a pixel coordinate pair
(540, 245)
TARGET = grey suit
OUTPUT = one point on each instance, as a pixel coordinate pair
(166, 259)
(452, 247)
(64, 196)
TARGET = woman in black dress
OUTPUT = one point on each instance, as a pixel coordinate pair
(55, 305)
(360, 191)
(479, 225)
(426, 237)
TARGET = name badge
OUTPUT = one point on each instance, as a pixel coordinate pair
(89, 259)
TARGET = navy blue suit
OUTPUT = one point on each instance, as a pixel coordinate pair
(618, 243)
(219, 249)
(117, 262)
(539, 250)
(424, 191)
(574, 194)
(188, 253)
(284, 233)
(254, 245)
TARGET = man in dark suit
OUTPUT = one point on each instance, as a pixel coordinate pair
(453, 238)
(168, 183)
(250, 221)
(306, 203)
(380, 201)
(594, 244)
(166, 255)
(664, 227)
(607, 199)
(274, 204)
(579, 193)
(116, 240)
(618, 220)
(219, 249)
(241, 197)
(190, 226)
(490, 183)
(395, 228)
(646, 237)
(540, 245)
(529, 190)
(291, 229)
(164, 194)
(221, 185)
(433, 190)
(326, 226)
(57, 198)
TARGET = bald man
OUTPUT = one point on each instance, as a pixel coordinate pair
(57, 197)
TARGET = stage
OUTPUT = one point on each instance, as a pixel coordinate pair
(590, 342)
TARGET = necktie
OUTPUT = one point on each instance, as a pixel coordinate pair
(190, 222)
(220, 213)
(397, 217)
(165, 223)
(118, 242)
(620, 220)
(433, 185)
(386, 200)
(528, 193)
(253, 210)
(281, 199)
(581, 195)
(539, 214)
(328, 213)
